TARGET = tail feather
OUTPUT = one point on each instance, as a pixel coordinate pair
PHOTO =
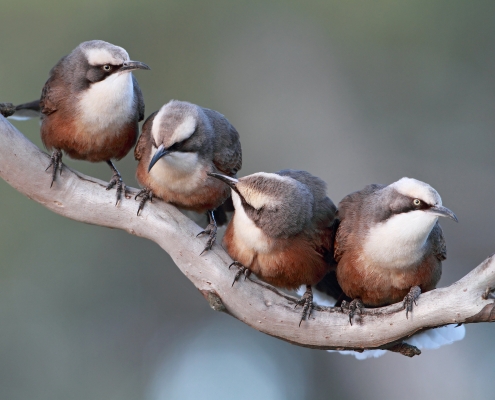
(429, 339)
(27, 111)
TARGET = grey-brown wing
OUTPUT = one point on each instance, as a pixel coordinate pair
(48, 100)
(143, 141)
(51, 94)
(139, 98)
(339, 244)
(350, 209)
(227, 153)
(324, 210)
(438, 242)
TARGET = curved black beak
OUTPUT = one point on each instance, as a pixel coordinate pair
(442, 211)
(160, 152)
(132, 65)
(232, 182)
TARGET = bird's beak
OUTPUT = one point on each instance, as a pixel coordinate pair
(442, 212)
(160, 152)
(232, 182)
(132, 65)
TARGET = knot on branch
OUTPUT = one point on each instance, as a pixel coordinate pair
(214, 300)
(488, 294)
(405, 349)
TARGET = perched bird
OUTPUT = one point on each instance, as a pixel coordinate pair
(179, 146)
(282, 229)
(90, 107)
(389, 245)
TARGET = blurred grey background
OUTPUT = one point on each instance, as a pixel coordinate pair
(355, 92)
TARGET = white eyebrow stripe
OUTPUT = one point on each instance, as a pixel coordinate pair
(416, 189)
(99, 56)
(184, 130)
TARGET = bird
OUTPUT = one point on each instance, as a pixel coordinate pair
(179, 145)
(90, 107)
(282, 230)
(389, 246)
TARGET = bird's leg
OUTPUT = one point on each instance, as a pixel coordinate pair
(355, 306)
(7, 109)
(147, 194)
(56, 163)
(411, 298)
(211, 230)
(242, 270)
(307, 302)
(116, 180)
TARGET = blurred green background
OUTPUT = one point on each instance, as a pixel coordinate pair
(353, 91)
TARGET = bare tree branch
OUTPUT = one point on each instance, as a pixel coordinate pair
(255, 303)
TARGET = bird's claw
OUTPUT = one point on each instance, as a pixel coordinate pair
(147, 194)
(119, 186)
(56, 163)
(307, 302)
(242, 270)
(211, 230)
(410, 299)
(356, 306)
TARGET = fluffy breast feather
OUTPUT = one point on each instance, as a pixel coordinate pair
(107, 104)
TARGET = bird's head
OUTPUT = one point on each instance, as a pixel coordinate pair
(280, 205)
(409, 195)
(178, 131)
(102, 60)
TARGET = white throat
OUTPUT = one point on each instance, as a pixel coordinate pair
(108, 104)
(399, 242)
(246, 231)
(178, 171)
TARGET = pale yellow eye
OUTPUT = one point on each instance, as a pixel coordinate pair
(416, 202)
(107, 67)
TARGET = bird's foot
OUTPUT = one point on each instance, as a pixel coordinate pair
(7, 109)
(242, 270)
(356, 306)
(307, 302)
(56, 163)
(117, 182)
(119, 186)
(410, 299)
(211, 231)
(146, 194)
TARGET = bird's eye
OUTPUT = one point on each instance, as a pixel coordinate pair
(107, 67)
(417, 202)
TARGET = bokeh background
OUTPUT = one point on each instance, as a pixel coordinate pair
(354, 91)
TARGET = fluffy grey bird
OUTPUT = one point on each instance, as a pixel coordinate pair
(179, 146)
(282, 229)
(90, 107)
(389, 245)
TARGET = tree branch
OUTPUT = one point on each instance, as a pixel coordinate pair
(255, 303)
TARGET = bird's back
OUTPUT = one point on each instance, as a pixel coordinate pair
(227, 152)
